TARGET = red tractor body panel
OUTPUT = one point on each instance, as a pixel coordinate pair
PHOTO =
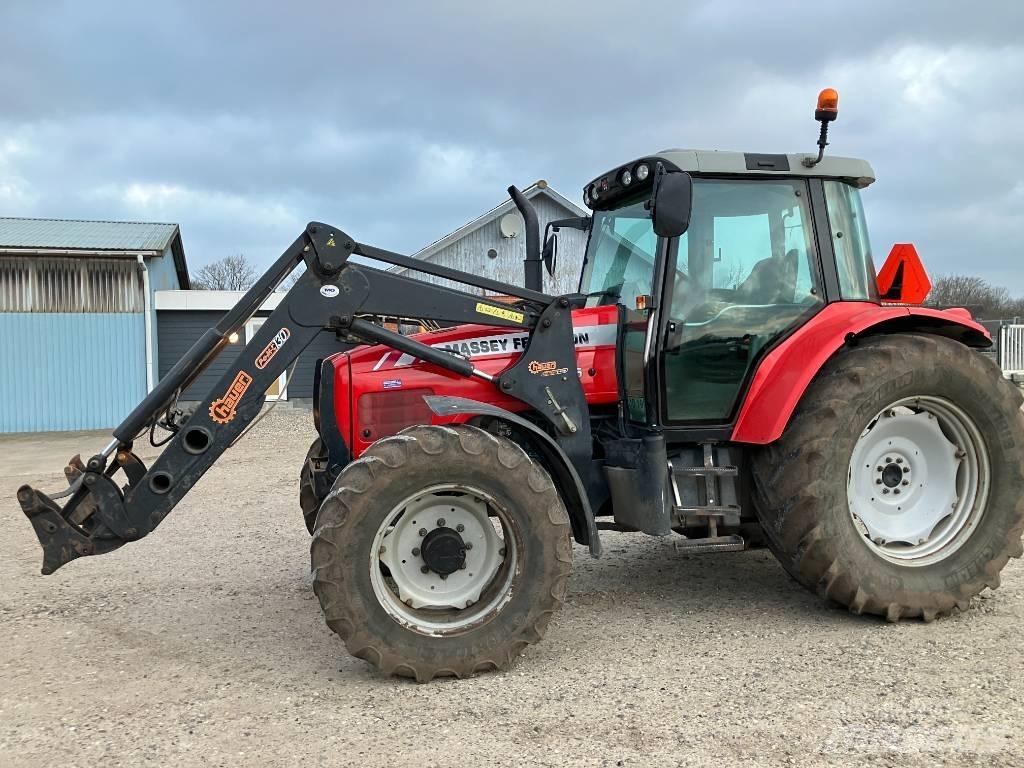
(783, 375)
(380, 391)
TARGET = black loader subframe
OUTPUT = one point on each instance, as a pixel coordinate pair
(102, 512)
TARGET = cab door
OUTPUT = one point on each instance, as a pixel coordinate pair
(745, 274)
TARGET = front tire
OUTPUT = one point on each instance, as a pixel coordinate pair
(393, 580)
(895, 489)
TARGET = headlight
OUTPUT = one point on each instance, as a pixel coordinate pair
(642, 171)
(627, 178)
(586, 196)
(593, 192)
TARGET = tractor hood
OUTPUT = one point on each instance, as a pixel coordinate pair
(379, 391)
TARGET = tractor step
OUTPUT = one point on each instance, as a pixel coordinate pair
(709, 511)
(703, 487)
(731, 543)
(706, 471)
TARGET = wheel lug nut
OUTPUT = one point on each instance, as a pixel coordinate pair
(424, 569)
(905, 482)
(469, 545)
(460, 527)
(896, 491)
(885, 490)
(878, 468)
(899, 460)
(382, 550)
(462, 567)
(444, 576)
(440, 522)
(878, 481)
(501, 551)
(888, 459)
(415, 551)
(423, 531)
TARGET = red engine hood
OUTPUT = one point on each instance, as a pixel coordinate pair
(376, 369)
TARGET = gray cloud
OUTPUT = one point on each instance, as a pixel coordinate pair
(401, 121)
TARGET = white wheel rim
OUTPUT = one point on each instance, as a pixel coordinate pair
(427, 602)
(918, 480)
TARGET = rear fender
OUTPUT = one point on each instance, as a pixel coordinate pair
(784, 374)
(567, 479)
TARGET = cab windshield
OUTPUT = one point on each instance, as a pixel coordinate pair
(620, 255)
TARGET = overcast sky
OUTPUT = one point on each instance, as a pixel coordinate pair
(398, 122)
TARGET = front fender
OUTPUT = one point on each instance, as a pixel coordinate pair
(784, 373)
(567, 479)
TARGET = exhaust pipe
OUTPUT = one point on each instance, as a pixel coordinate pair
(533, 273)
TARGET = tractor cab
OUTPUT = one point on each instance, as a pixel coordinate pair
(768, 243)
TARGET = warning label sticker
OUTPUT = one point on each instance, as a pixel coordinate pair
(503, 312)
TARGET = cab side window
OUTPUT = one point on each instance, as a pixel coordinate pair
(850, 242)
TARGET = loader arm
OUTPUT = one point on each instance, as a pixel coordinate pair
(101, 512)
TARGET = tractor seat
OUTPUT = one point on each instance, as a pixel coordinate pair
(772, 280)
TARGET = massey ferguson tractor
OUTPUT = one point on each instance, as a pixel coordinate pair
(730, 370)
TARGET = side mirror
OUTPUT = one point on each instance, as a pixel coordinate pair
(671, 202)
(550, 253)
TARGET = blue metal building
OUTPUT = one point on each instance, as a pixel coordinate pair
(78, 329)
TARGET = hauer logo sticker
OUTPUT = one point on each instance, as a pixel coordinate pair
(546, 368)
(330, 291)
(270, 350)
(222, 410)
(392, 384)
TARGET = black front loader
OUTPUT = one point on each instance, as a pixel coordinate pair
(335, 294)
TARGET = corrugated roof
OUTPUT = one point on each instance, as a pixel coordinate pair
(85, 235)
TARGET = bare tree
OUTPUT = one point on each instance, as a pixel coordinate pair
(292, 279)
(232, 273)
(967, 290)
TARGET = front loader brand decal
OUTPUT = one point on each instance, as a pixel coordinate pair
(222, 410)
(547, 368)
(271, 349)
(330, 242)
(503, 312)
(392, 384)
(329, 291)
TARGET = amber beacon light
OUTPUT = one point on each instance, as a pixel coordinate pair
(825, 112)
(828, 104)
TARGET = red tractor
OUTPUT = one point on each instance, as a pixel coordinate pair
(730, 370)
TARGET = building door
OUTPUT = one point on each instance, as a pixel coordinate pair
(277, 390)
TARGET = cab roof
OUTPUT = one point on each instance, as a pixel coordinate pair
(637, 176)
(857, 172)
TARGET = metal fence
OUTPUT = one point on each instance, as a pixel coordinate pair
(1010, 350)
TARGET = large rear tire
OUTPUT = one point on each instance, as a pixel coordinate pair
(392, 577)
(896, 487)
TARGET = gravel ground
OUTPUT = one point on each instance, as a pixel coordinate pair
(203, 645)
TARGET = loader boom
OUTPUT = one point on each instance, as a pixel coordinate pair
(334, 294)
